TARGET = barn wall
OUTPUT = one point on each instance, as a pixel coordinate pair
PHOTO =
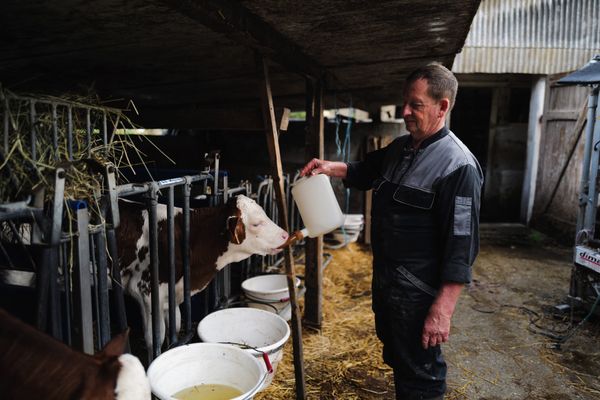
(555, 207)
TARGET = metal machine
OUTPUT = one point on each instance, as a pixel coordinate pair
(585, 277)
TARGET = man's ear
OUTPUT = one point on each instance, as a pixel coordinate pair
(236, 228)
(444, 106)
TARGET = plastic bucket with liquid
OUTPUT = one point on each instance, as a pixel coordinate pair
(269, 292)
(256, 330)
(206, 364)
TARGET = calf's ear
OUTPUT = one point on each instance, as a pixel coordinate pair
(237, 230)
(115, 347)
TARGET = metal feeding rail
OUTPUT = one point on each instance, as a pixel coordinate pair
(57, 135)
(585, 277)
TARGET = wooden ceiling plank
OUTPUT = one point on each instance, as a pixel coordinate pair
(235, 21)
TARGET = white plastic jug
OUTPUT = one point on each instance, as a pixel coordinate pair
(317, 204)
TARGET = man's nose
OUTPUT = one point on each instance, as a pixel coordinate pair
(406, 110)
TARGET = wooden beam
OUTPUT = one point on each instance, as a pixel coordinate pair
(275, 156)
(313, 303)
(232, 19)
(373, 143)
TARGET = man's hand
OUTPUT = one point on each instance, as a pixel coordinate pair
(436, 328)
(336, 169)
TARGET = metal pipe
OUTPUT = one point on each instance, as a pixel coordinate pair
(102, 273)
(185, 249)
(216, 181)
(171, 255)
(95, 293)
(83, 295)
(587, 155)
(153, 232)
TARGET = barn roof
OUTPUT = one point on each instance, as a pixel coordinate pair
(185, 62)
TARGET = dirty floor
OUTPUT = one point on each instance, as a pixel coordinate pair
(500, 345)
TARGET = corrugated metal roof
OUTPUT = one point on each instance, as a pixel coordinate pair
(531, 37)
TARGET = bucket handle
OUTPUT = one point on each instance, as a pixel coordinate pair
(265, 356)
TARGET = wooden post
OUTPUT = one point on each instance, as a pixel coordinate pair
(373, 143)
(314, 247)
(274, 155)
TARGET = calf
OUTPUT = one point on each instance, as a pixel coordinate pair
(37, 366)
(218, 236)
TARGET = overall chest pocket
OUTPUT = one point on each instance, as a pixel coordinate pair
(414, 197)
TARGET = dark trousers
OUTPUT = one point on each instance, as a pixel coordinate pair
(419, 374)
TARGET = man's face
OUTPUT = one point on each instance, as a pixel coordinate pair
(421, 113)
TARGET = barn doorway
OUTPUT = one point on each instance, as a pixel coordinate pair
(492, 122)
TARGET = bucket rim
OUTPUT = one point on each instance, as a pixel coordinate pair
(256, 278)
(172, 352)
(269, 349)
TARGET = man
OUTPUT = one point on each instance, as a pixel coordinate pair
(425, 231)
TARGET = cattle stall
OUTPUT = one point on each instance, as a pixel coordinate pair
(54, 243)
(52, 238)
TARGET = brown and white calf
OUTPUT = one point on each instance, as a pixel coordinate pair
(218, 236)
(37, 366)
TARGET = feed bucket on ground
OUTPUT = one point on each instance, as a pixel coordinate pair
(272, 290)
(262, 330)
(205, 364)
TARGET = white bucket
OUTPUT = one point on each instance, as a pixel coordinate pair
(262, 330)
(317, 205)
(272, 290)
(205, 363)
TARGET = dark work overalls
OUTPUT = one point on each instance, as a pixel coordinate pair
(424, 232)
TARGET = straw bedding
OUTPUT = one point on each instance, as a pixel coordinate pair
(343, 359)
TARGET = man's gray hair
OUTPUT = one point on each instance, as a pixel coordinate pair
(442, 82)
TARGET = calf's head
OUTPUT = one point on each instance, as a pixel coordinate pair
(251, 231)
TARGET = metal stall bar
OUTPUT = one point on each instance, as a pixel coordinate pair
(81, 280)
(587, 155)
(94, 279)
(152, 198)
(171, 256)
(102, 288)
(53, 243)
(112, 222)
(151, 189)
(185, 249)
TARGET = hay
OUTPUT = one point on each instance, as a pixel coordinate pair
(28, 166)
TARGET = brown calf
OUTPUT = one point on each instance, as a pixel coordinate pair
(34, 365)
